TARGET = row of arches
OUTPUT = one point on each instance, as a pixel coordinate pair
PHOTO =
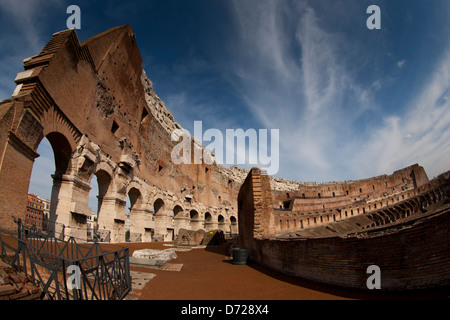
(149, 215)
(406, 208)
(388, 210)
(88, 181)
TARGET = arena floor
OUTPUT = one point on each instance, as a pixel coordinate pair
(208, 274)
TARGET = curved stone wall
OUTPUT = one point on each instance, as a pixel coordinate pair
(95, 104)
(407, 240)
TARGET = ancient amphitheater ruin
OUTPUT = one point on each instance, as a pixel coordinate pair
(333, 232)
(96, 106)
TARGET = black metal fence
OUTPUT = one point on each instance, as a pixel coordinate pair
(67, 270)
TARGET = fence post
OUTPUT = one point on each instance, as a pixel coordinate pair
(19, 228)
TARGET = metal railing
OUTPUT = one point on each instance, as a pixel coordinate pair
(100, 274)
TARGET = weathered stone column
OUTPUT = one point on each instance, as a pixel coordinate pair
(69, 207)
(141, 224)
(111, 218)
(181, 221)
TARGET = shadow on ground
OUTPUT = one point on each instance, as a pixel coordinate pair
(441, 293)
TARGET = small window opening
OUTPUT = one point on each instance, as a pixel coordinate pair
(114, 127)
(144, 115)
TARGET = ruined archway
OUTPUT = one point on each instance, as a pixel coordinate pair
(103, 206)
(64, 219)
(158, 207)
(209, 224)
(162, 221)
(139, 228)
(178, 219)
(233, 225)
(195, 222)
(221, 223)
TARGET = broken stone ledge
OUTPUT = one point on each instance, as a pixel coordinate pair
(152, 257)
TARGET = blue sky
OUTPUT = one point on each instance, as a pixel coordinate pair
(350, 102)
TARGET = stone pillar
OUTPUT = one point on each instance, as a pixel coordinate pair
(17, 154)
(111, 218)
(141, 224)
(69, 207)
(163, 220)
(181, 221)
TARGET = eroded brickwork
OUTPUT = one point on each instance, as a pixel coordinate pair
(406, 237)
(98, 109)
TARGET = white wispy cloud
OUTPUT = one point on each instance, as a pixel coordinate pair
(422, 134)
(401, 63)
(296, 77)
(293, 78)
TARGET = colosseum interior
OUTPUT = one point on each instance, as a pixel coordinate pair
(96, 106)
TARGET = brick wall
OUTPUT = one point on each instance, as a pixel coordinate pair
(412, 254)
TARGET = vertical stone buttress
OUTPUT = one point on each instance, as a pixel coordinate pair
(255, 206)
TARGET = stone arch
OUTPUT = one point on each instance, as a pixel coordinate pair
(111, 205)
(177, 211)
(209, 223)
(158, 207)
(138, 189)
(221, 222)
(54, 120)
(64, 189)
(136, 213)
(62, 150)
(193, 214)
(136, 198)
(104, 167)
(104, 180)
(179, 219)
(195, 220)
(233, 225)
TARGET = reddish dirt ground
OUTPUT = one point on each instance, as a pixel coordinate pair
(208, 274)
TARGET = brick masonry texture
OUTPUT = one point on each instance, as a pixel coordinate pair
(99, 111)
(412, 250)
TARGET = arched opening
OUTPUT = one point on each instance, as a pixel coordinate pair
(162, 219)
(62, 151)
(208, 222)
(135, 198)
(46, 184)
(136, 218)
(177, 214)
(157, 207)
(193, 214)
(221, 222)
(100, 183)
(195, 222)
(40, 187)
(233, 225)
